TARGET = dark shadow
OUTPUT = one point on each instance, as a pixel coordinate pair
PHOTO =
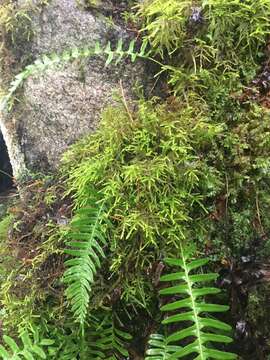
(6, 175)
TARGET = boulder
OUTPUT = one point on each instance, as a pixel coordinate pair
(61, 105)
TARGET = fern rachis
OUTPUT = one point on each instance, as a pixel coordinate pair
(49, 61)
(106, 340)
(85, 246)
(191, 309)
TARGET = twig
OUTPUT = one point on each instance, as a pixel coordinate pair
(258, 213)
(5, 173)
(125, 102)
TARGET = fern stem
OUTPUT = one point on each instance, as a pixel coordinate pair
(196, 319)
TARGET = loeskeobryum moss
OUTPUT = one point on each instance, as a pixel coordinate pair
(192, 168)
(175, 170)
(4, 227)
(149, 168)
(202, 42)
(16, 34)
(166, 171)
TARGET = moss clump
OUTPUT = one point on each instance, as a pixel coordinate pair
(258, 324)
(16, 32)
(31, 255)
(170, 171)
(166, 171)
(212, 48)
(4, 227)
(192, 167)
(149, 168)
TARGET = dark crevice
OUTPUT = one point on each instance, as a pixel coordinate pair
(6, 174)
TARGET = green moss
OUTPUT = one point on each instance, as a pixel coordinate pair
(193, 167)
(257, 308)
(203, 42)
(31, 257)
(16, 32)
(4, 227)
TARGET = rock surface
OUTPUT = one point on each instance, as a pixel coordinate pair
(64, 104)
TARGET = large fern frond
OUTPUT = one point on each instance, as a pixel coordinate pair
(191, 307)
(107, 341)
(160, 348)
(86, 239)
(49, 61)
(31, 348)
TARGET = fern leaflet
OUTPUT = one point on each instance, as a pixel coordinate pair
(107, 341)
(86, 238)
(159, 348)
(31, 349)
(203, 329)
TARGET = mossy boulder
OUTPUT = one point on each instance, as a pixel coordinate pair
(63, 104)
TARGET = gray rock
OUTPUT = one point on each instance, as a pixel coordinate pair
(63, 104)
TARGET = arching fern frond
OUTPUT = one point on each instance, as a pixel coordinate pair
(86, 239)
(160, 348)
(107, 341)
(30, 348)
(50, 61)
(205, 330)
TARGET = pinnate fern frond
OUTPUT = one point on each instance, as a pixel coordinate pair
(85, 246)
(30, 349)
(49, 61)
(160, 348)
(107, 340)
(193, 309)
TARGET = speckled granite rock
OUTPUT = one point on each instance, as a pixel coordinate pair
(63, 104)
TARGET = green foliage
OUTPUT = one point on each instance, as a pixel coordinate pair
(189, 167)
(240, 216)
(4, 227)
(160, 349)
(50, 61)
(204, 330)
(208, 39)
(151, 175)
(198, 330)
(32, 347)
(14, 23)
(86, 239)
(243, 26)
(15, 29)
(165, 23)
(170, 25)
(107, 341)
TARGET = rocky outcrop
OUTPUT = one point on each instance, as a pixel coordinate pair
(63, 104)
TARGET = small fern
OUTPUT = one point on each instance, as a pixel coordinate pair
(108, 341)
(70, 349)
(86, 239)
(159, 348)
(50, 61)
(204, 330)
(31, 349)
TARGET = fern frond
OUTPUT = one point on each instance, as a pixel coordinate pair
(86, 238)
(160, 348)
(108, 341)
(31, 349)
(192, 308)
(49, 61)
